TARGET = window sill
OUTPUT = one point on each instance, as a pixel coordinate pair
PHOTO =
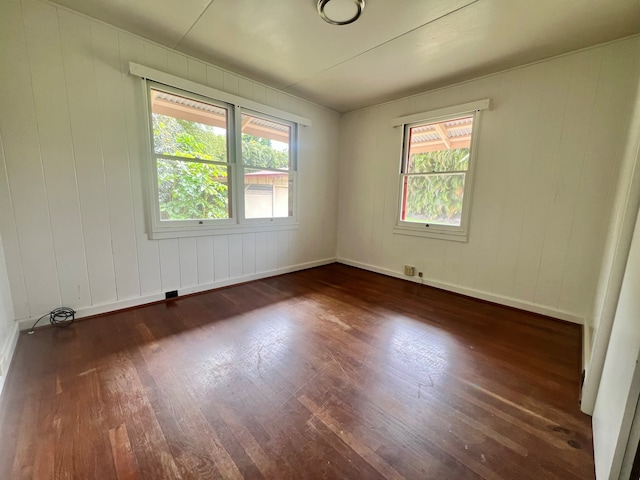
(207, 230)
(434, 233)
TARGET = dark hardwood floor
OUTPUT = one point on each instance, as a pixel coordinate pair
(332, 372)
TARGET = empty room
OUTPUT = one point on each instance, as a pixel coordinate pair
(338, 239)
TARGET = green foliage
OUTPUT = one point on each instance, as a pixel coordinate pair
(190, 190)
(456, 159)
(257, 152)
(193, 190)
(436, 198)
(182, 138)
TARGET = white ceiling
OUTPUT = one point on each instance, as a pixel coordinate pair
(396, 48)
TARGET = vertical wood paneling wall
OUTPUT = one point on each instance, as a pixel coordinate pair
(72, 205)
(549, 153)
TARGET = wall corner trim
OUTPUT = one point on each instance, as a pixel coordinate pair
(7, 352)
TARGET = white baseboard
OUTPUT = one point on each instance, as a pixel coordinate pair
(255, 276)
(81, 312)
(6, 354)
(470, 292)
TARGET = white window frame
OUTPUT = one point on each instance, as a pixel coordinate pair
(292, 170)
(444, 232)
(157, 228)
(160, 225)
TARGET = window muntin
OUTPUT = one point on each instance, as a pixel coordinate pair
(267, 166)
(266, 142)
(435, 174)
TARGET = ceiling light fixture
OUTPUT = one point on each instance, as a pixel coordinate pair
(340, 12)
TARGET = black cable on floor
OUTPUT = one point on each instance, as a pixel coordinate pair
(60, 317)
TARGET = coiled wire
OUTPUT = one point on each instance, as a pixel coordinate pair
(60, 317)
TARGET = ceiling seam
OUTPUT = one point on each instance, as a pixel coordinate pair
(381, 44)
(175, 47)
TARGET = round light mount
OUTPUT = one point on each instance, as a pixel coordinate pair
(340, 12)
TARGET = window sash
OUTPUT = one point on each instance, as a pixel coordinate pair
(252, 213)
(293, 137)
(289, 171)
(406, 137)
(186, 223)
(158, 221)
(228, 123)
(406, 207)
(196, 207)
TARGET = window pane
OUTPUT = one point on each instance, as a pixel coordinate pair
(267, 194)
(192, 190)
(433, 198)
(440, 147)
(265, 143)
(183, 127)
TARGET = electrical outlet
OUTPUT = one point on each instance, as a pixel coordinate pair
(409, 270)
(420, 274)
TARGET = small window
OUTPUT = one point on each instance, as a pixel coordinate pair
(435, 177)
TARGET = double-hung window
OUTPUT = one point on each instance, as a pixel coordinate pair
(436, 173)
(218, 166)
(191, 156)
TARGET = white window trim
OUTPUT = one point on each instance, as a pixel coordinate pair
(164, 78)
(236, 105)
(433, 115)
(442, 232)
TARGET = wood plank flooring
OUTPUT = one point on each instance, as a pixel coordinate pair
(332, 372)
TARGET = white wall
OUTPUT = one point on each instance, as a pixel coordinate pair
(72, 204)
(548, 157)
(620, 385)
(614, 260)
(8, 328)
